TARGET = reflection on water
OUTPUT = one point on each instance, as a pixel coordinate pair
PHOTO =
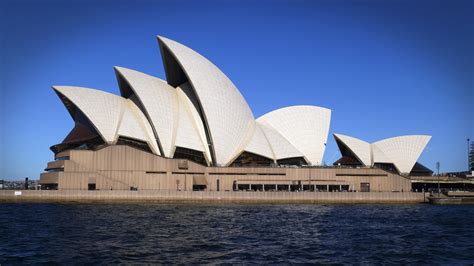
(179, 233)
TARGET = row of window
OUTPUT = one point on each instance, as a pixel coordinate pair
(291, 188)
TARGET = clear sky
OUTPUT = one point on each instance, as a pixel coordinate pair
(384, 68)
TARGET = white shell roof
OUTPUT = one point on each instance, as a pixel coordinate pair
(190, 133)
(160, 102)
(111, 115)
(135, 125)
(209, 106)
(280, 146)
(259, 144)
(305, 127)
(103, 109)
(378, 156)
(359, 147)
(206, 108)
(403, 151)
(226, 113)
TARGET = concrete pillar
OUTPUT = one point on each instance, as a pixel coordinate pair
(276, 187)
(250, 187)
(340, 187)
(263, 187)
(327, 188)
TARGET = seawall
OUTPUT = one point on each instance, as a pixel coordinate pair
(105, 196)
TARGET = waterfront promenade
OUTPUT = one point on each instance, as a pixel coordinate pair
(208, 196)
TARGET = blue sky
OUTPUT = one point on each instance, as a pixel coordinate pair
(384, 68)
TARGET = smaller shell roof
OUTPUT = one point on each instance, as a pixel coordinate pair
(378, 156)
(190, 132)
(280, 146)
(111, 115)
(259, 144)
(174, 118)
(135, 125)
(160, 104)
(402, 151)
(103, 109)
(360, 148)
(306, 127)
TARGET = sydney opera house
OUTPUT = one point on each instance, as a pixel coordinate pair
(195, 131)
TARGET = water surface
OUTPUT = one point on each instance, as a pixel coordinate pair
(215, 233)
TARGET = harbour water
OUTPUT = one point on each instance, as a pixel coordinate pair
(236, 233)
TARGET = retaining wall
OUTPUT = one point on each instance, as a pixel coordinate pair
(208, 196)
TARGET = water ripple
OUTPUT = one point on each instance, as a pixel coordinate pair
(191, 234)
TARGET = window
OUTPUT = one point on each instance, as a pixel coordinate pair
(250, 159)
(243, 187)
(189, 154)
(257, 187)
(199, 187)
(322, 188)
(297, 161)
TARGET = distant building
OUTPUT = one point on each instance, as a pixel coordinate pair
(195, 131)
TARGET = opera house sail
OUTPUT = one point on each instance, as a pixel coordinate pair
(398, 154)
(195, 131)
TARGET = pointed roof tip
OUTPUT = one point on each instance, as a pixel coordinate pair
(339, 135)
(167, 41)
(119, 69)
(59, 88)
(161, 38)
(78, 89)
(428, 137)
(125, 72)
(67, 87)
(123, 69)
(161, 41)
(56, 88)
